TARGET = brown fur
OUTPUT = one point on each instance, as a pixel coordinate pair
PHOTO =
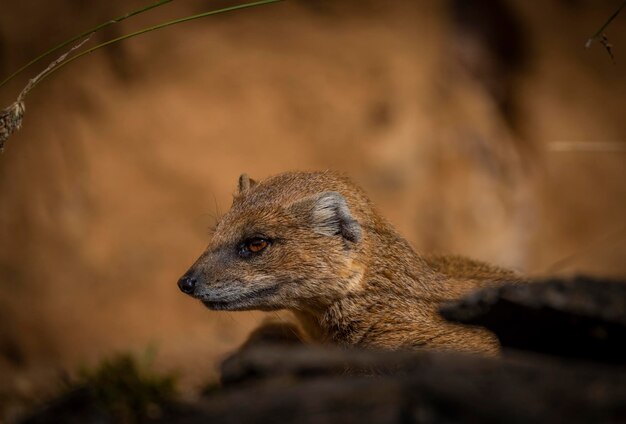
(343, 270)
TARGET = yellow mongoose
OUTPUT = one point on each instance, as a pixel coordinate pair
(314, 244)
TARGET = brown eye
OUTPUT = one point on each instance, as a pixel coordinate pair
(257, 245)
(253, 246)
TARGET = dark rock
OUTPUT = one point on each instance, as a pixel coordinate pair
(276, 378)
(273, 333)
(301, 384)
(578, 318)
(269, 362)
(317, 385)
(75, 407)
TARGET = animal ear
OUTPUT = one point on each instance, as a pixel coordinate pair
(245, 183)
(328, 213)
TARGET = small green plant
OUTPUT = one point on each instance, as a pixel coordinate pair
(128, 388)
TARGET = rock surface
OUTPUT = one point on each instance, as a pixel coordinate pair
(580, 318)
(275, 378)
(307, 385)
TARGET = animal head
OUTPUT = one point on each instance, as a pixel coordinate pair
(288, 242)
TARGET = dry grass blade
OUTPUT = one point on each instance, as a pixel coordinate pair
(10, 121)
(601, 36)
(83, 35)
(11, 117)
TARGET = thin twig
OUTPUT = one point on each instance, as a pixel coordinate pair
(156, 27)
(599, 32)
(11, 117)
(81, 36)
(587, 146)
(601, 36)
(591, 246)
(34, 81)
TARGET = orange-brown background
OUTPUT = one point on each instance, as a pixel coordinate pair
(452, 120)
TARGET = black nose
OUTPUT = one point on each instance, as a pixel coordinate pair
(187, 284)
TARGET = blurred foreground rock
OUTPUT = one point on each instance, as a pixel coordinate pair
(300, 384)
(581, 318)
(274, 378)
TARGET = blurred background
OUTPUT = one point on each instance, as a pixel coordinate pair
(482, 128)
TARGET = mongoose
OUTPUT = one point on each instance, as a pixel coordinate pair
(314, 244)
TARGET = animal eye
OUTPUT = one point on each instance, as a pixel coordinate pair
(256, 245)
(253, 245)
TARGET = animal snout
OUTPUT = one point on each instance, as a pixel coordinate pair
(187, 284)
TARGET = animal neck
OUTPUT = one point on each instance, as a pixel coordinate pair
(344, 320)
(387, 268)
(312, 324)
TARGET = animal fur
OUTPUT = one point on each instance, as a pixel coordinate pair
(338, 265)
